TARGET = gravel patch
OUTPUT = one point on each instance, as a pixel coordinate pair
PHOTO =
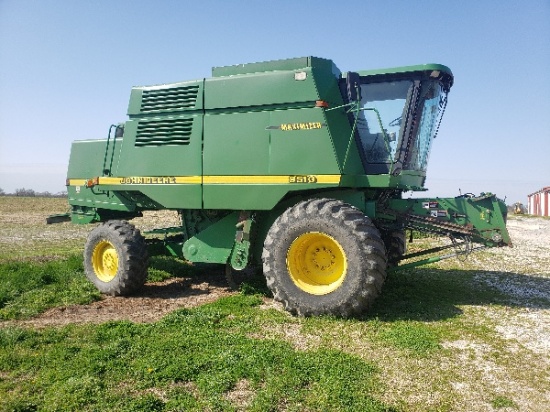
(525, 286)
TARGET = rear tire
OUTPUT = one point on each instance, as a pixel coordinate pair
(396, 246)
(323, 256)
(116, 258)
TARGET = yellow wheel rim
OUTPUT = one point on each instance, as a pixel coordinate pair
(105, 261)
(316, 263)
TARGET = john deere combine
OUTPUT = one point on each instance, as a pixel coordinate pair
(287, 164)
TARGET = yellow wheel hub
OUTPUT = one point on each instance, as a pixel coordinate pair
(316, 263)
(105, 261)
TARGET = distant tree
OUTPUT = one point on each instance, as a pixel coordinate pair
(48, 194)
(22, 192)
(2, 192)
(25, 192)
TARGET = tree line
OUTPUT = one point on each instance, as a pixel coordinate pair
(22, 192)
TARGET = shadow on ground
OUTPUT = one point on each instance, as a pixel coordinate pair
(430, 294)
(423, 294)
(175, 279)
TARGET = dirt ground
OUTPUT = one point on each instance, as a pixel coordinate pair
(150, 304)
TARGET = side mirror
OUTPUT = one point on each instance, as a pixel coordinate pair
(353, 86)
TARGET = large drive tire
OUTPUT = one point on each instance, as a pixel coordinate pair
(323, 256)
(116, 258)
(396, 246)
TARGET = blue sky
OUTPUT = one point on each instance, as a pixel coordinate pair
(67, 67)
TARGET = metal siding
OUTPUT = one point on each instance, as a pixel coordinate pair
(538, 202)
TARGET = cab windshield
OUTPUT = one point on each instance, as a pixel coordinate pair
(432, 105)
(396, 122)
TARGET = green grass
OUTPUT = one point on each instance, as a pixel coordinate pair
(413, 336)
(503, 402)
(28, 288)
(191, 360)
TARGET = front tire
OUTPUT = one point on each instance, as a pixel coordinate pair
(323, 256)
(116, 258)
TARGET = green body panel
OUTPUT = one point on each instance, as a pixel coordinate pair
(245, 143)
(254, 90)
(256, 118)
(166, 99)
(163, 158)
(257, 150)
(302, 151)
(101, 199)
(276, 65)
(405, 181)
(240, 197)
(88, 157)
(213, 244)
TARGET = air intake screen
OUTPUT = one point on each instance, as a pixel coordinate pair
(164, 132)
(175, 98)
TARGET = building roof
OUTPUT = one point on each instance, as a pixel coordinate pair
(544, 189)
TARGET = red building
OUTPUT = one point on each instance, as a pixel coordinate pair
(538, 202)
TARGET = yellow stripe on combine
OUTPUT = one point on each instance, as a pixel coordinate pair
(76, 182)
(271, 180)
(109, 180)
(232, 180)
(329, 179)
(150, 180)
(209, 180)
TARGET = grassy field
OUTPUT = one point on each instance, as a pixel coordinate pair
(455, 336)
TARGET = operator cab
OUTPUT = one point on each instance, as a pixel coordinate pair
(396, 114)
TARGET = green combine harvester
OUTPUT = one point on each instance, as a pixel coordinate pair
(290, 165)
